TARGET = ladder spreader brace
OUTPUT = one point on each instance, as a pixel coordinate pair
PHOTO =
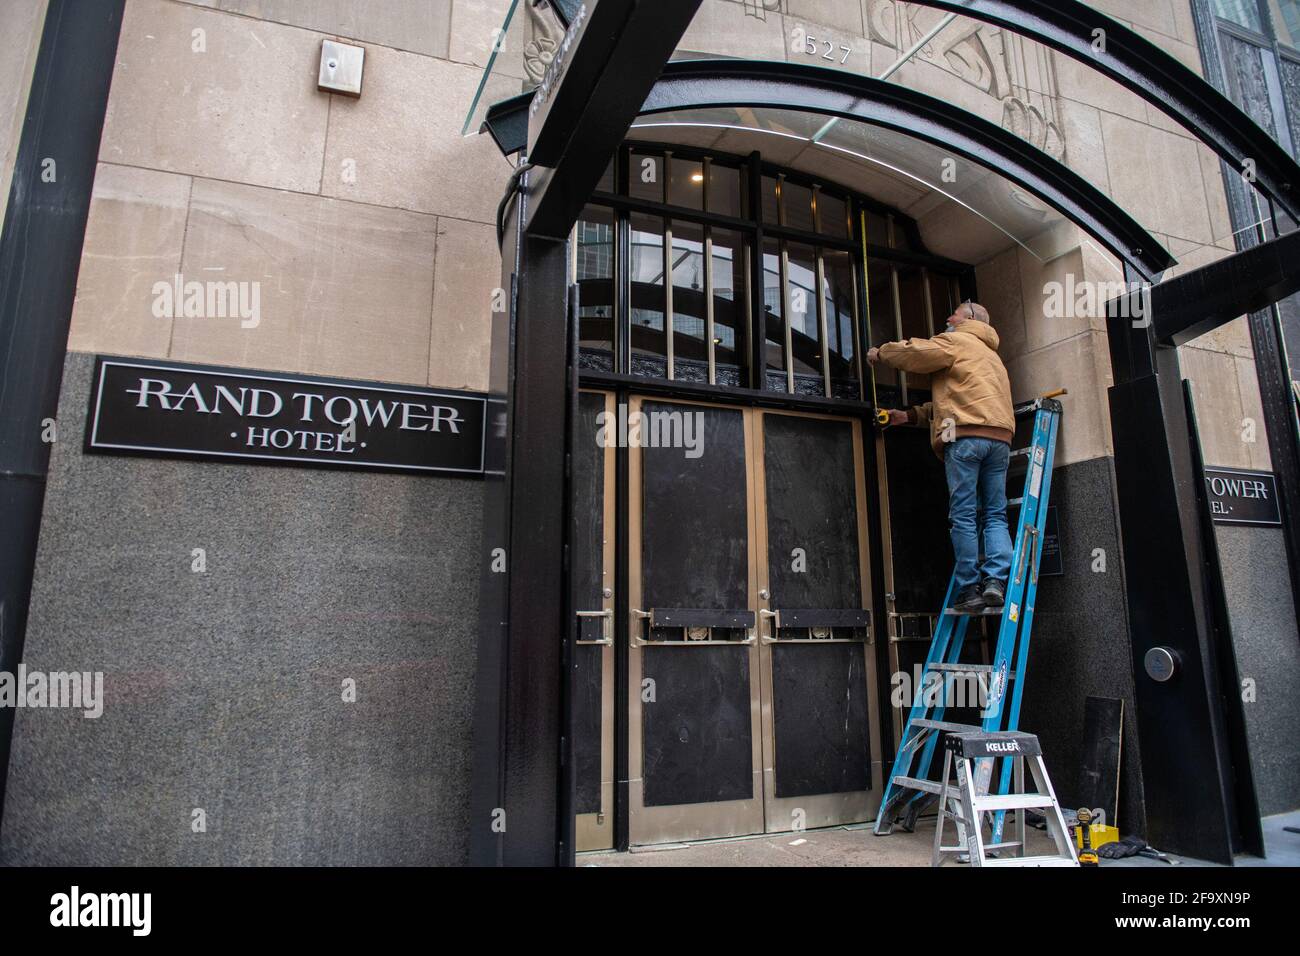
(911, 789)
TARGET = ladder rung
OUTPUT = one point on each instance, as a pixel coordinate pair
(1031, 861)
(1013, 801)
(916, 783)
(988, 847)
(982, 612)
(963, 668)
(927, 724)
(1017, 452)
(1015, 502)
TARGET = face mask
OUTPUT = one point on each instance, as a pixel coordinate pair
(950, 328)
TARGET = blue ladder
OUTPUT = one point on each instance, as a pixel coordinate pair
(910, 789)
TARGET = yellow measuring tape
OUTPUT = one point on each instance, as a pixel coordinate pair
(882, 417)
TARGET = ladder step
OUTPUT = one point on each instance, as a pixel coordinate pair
(1015, 502)
(988, 847)
(915, 783)
(963, 668)
(1013, 801)
(982, 612)
(1031, 861)
(927, 724)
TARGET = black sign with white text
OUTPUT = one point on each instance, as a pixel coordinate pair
(176, 410)
(1241, 496)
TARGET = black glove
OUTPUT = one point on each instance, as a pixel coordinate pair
(1129, 846)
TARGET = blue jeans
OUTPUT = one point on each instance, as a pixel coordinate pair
(977, 491)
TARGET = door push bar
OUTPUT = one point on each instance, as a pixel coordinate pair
(691, 617)
(606, 626)
(816, 617)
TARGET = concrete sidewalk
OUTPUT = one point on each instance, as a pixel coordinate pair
(858, 846)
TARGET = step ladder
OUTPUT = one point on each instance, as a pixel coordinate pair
(910, 789)
(959, 801)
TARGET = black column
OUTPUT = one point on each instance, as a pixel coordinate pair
(518, 814)
(40, 255)
(1186, 761)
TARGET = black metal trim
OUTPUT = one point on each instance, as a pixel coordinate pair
(725, 394)
(506, 121)
(1142, 67)
(740, 224)
(689, 84)
(520, 727)
(1248, 281)
(1243, 801)
(40, 256)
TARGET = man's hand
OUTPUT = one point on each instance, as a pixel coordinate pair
(897, 417)
(873, 355)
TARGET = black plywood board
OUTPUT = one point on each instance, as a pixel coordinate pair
(588, 583)
(918, 521)
(1103, 731)
(819, 711)
(587, 685)
(812, 517)
(695, 531)
(588, 516)
(696, 733)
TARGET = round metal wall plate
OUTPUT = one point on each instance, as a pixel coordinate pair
(1160, 664)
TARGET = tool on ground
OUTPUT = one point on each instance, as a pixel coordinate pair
(1087, 855)
(910, 790)
(960, 802)
(1100, 833)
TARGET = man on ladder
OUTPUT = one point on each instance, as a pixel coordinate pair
(972, 424)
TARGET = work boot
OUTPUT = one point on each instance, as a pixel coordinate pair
(995, 592)
(969, 599)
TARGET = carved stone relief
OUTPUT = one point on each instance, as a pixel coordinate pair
(1004, 65)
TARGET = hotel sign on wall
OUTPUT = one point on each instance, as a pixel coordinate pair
(193, 411)
(1243, 497)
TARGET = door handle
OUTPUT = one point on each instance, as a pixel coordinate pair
(606, 627)
(634, 632)
(635, 640)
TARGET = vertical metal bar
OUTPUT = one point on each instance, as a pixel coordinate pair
(904, 397)
(898, 329)
(786, 316)
(573, 252)
(708, 303)
(929, 304)
(822, 330)
(668, 295)
(757, 315)
(668, 268)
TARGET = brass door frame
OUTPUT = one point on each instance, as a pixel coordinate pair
(832, 809)
(595, 831)
(692, 821)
